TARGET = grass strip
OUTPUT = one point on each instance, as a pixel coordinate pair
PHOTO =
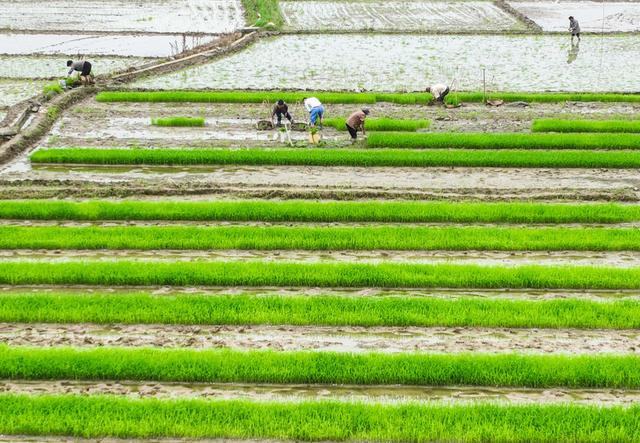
(477, 97)
(258, 273)
(502, 141)
(348, 97)
(342, 157)
(381, 124)
(322, 310)
(318, 211)
(229, 366)
(560, 125)
(231, 97)
(320, 238)
(263, 13)
(100, 416)
(178, 121)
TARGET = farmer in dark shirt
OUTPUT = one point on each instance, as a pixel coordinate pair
(574, 28)
(280, 109)
(83, 67)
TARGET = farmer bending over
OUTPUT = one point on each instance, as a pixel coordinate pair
(315, 109)
(574, 27)
(83, 67)
(439, 92)
(279, 109)
(355, 121)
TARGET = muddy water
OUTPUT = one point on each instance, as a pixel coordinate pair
(512, 63)
(593, 16)
(397, 15)
(377, 394)
(621, 259)
(327, 338)
(445, 293)
(99, 44)
(127, 129)
(15, 90)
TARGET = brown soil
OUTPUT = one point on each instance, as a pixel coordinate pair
(319, 338)
(385, 394)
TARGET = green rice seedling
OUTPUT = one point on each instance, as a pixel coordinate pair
(320, 238)
(320, 310)
(348, 97)
(263, 13)
(258, 273)
(53, 87)
(178, 121)
(232, 97)
(381, 124)
(502, 141)
(125, 417)
(477, 97)
(507, 158)
(560, 125)
(228, 366)
(315, 211)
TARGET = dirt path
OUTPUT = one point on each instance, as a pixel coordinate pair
(385, 394)
(622, 259)
(326, 338)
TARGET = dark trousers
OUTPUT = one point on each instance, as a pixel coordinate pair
(280, 113)
(353, 132)
(444, 94)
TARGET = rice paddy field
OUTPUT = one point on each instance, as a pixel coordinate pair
(173, 268)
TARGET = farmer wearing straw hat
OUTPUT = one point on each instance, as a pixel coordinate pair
(355, 122)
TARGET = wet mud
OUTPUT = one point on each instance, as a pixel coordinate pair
(326, 338)
(289, 393)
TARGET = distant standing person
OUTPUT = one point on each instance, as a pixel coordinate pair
(280, 109)
(574, 27)
(83, 67)
(439, 92)
(314, 108)
(355, 122)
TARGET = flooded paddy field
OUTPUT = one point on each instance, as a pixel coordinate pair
(512, 63)
(52, 67)
(174, 16)
(593, 16)
(124, 45)
(397, 15)
(13, 91)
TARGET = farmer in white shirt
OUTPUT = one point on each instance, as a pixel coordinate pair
(314, 108)
(439, 92)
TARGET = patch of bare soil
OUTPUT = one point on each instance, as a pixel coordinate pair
(288, 393)
(327, 338)
(622, 259)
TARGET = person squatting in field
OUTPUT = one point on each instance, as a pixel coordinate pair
(315, 109)
(280, 109)
(355, 122)
(439, 92)
(574, 27)
(83, 67)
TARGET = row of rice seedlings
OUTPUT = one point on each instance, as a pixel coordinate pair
(559, 125)
(260, 273)
(347, 97)
(229, 366)
(506, 158)
(381, 124)
(320, 238)
(320, 310)
(321, 211)
(502, 141)
(178, 121)
(100, 416)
